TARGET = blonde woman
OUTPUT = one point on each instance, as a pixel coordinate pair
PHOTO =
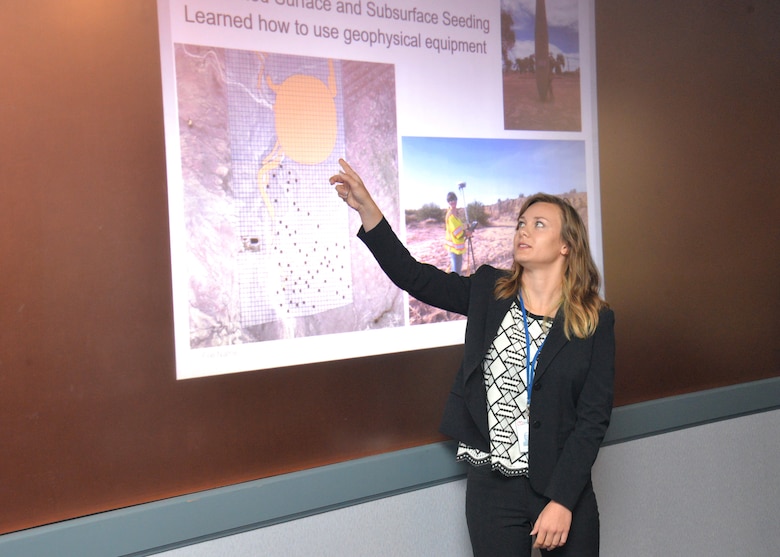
(532, 399)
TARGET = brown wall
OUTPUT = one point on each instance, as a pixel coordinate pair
(91, 416)
(690, 190)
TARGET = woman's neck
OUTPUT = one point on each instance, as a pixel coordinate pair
(542, 292)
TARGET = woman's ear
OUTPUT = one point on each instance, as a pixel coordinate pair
(564, 249)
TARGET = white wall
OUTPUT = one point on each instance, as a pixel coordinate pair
(708, 491)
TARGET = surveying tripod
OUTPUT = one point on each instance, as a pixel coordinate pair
(470, 226)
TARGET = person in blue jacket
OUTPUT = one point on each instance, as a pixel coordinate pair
(532, 399)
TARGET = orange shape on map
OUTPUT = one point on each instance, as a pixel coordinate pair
(305, 114)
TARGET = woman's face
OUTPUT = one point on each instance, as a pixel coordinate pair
(538, 240)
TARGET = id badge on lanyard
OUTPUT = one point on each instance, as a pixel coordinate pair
(521, 431)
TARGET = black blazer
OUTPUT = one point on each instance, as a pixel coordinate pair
(573, 384)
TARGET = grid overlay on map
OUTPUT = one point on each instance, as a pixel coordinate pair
(295, 260)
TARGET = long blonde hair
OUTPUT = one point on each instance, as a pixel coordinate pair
(580, 289)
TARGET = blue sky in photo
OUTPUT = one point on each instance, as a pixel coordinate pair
(493, 169)
(562, 28)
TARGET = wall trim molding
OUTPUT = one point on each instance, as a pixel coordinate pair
(197, 517)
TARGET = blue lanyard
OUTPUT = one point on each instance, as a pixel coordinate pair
(530, 363)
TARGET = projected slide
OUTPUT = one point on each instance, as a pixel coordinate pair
(487, 101)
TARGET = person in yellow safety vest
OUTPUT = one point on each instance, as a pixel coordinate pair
(455, 235)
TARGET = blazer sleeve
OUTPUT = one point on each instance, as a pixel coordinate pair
(572, 471)
(427, 283)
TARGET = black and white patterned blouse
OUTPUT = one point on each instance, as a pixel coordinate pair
(504, 369)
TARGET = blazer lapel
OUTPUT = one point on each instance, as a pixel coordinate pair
(493, 321)
(556, 340)
(495, 313)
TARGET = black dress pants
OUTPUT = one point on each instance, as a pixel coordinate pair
(500, 512)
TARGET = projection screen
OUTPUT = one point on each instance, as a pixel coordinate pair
(491, 100)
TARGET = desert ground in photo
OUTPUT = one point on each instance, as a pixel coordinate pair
(524, 111)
